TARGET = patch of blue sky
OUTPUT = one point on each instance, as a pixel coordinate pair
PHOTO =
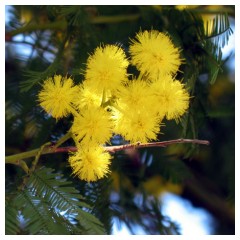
(192, 221)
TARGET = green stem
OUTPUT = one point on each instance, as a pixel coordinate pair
(114, 19)
(24, 166)
(34, 163)
(107, 103)
(62, 25)
(117, 107)
(103, 98)
(63, 139)
(46, 149)
(140, 76)
(16, 158)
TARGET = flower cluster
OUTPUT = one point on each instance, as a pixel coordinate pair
(110, 101)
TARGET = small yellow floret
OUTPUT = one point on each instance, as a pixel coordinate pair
(57, 96)
(88, 96)
(137, 126)
(172, 99)
(153, 53)
(92, 125)
(135, 95)
(107, 68)
(90, 164)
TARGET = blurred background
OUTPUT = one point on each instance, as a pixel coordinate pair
(180, 189)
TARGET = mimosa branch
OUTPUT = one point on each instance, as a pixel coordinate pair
(17, 158)
(113, 149)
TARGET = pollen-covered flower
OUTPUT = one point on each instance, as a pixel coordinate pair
(172, 99)
(107, 67)
(57, 96)
(88, 96)
(135, 95)
(153, 53)
(135, 125)
(92, 125)
(91, 163)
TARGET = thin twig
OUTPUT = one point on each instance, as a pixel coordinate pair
(114, 149)
(156, 144)
(34, 163)
(15, 159)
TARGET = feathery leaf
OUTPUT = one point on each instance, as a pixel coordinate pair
(11, 220)
(58, 193)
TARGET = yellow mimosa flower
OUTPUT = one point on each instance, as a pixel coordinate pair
(172, 99)
(136, 94)
(92, 125)
(153, 53)
(57, 96)
(90, 163)
(88, 96)
(137, 126)
(107, 68)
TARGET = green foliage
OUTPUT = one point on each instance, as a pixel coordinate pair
(99, 193)
(34, 77)
(50, 205)
(11, 219)
(217, 34)
(203, 56)
(134, 210)
(75, 15)
(219, 29)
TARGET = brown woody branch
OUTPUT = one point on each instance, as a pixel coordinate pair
(17, 158)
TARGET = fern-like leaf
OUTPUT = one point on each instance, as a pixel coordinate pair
(63, 198)
(214, 61)
(217, 34)
(34, 77)
(219, 30)
(11, 220)
(50, 205)
(35, 220)
(75, 15)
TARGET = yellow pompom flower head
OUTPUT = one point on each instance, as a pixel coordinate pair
(88, 96)
(57, 96)
(91, 163)
(107, 67)
(92, 125)
(171, 97)
(137, 126)
(135, 95)
(153, 53)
